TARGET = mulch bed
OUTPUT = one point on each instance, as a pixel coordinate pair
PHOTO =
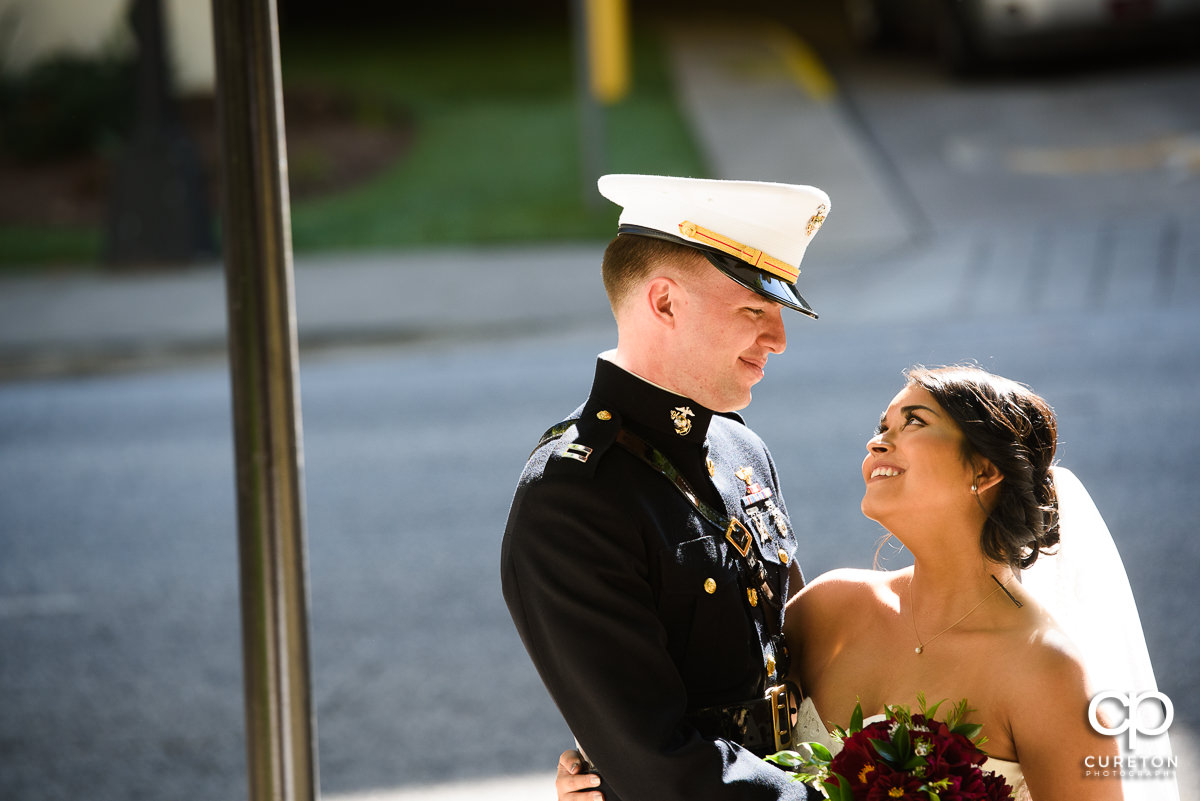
(329, 149)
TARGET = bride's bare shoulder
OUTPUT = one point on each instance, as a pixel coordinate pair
(1038, 653)
(844, 587)
(853, 579)
(1052, 651)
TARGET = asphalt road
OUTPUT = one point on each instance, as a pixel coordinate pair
(119, 649)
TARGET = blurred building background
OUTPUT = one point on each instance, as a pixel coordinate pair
(38, 30)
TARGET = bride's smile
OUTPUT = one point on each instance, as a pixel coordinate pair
(885, 471)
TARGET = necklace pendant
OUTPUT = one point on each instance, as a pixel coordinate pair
(919, 649)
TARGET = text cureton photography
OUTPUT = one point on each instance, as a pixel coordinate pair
(1143, 719)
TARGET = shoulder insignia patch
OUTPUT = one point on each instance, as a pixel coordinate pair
(579, 443)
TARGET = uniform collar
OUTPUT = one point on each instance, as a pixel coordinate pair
(648, 405)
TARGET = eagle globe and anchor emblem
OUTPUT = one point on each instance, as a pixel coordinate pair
(681, 418)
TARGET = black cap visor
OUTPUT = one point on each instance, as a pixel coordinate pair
(752, 278)
(764, 284)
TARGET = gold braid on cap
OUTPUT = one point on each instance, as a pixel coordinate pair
(752, 256)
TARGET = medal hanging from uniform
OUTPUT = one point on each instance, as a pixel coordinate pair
(758, 504)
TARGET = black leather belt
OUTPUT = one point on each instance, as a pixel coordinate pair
(762, 726)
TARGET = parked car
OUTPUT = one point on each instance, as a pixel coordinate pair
(968, 34)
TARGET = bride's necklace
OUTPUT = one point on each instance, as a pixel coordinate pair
(913, 615)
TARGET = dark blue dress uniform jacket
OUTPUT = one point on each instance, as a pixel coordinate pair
(631, 605)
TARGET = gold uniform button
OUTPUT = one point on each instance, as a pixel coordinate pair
(712, 468)
(752, 595)
(770, 664)
(603, 414)
(710, 586)
(783, 557)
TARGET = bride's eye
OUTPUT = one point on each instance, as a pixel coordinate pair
(912, 418)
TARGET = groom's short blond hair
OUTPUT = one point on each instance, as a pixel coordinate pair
(630, 259)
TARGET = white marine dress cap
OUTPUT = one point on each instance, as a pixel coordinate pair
(755, 232)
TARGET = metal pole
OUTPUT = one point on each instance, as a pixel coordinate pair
(280, 725)
(591, 115)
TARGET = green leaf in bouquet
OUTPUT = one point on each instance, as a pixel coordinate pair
(856, 720)
(957, 714)
(840, 791)
(809, 763)
(902, 742)
(929, 711)
(788, 760)
(820, 752)
(968, 730)
(887, 750)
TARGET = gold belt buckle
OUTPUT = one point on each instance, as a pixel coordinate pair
(781, 716)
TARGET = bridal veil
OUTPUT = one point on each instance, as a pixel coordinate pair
(1085, 587)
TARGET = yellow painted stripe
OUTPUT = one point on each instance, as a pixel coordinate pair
(802, 64)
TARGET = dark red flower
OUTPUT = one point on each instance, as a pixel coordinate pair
(896, 787)
(995, 788)
(954, 749)
(859, 763)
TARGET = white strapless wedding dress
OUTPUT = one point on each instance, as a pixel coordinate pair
(810, 728)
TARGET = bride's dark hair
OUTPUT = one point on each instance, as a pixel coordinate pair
(1015, 429)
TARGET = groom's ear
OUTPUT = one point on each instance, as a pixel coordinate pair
(987, 475)
(660, 295)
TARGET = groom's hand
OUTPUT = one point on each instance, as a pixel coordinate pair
(571, 784)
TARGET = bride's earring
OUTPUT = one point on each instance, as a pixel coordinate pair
(974, 489)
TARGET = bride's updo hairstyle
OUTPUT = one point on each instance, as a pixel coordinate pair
(1015, 429)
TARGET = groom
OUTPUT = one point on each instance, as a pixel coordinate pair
(648, 552)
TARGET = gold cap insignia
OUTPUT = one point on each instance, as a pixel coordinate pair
(814, 222)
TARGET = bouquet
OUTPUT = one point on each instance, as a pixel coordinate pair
(903, 756)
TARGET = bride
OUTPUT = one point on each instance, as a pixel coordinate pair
(960, 473)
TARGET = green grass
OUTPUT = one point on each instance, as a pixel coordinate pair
(496, 156)
(496, 151)
(45, 244)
